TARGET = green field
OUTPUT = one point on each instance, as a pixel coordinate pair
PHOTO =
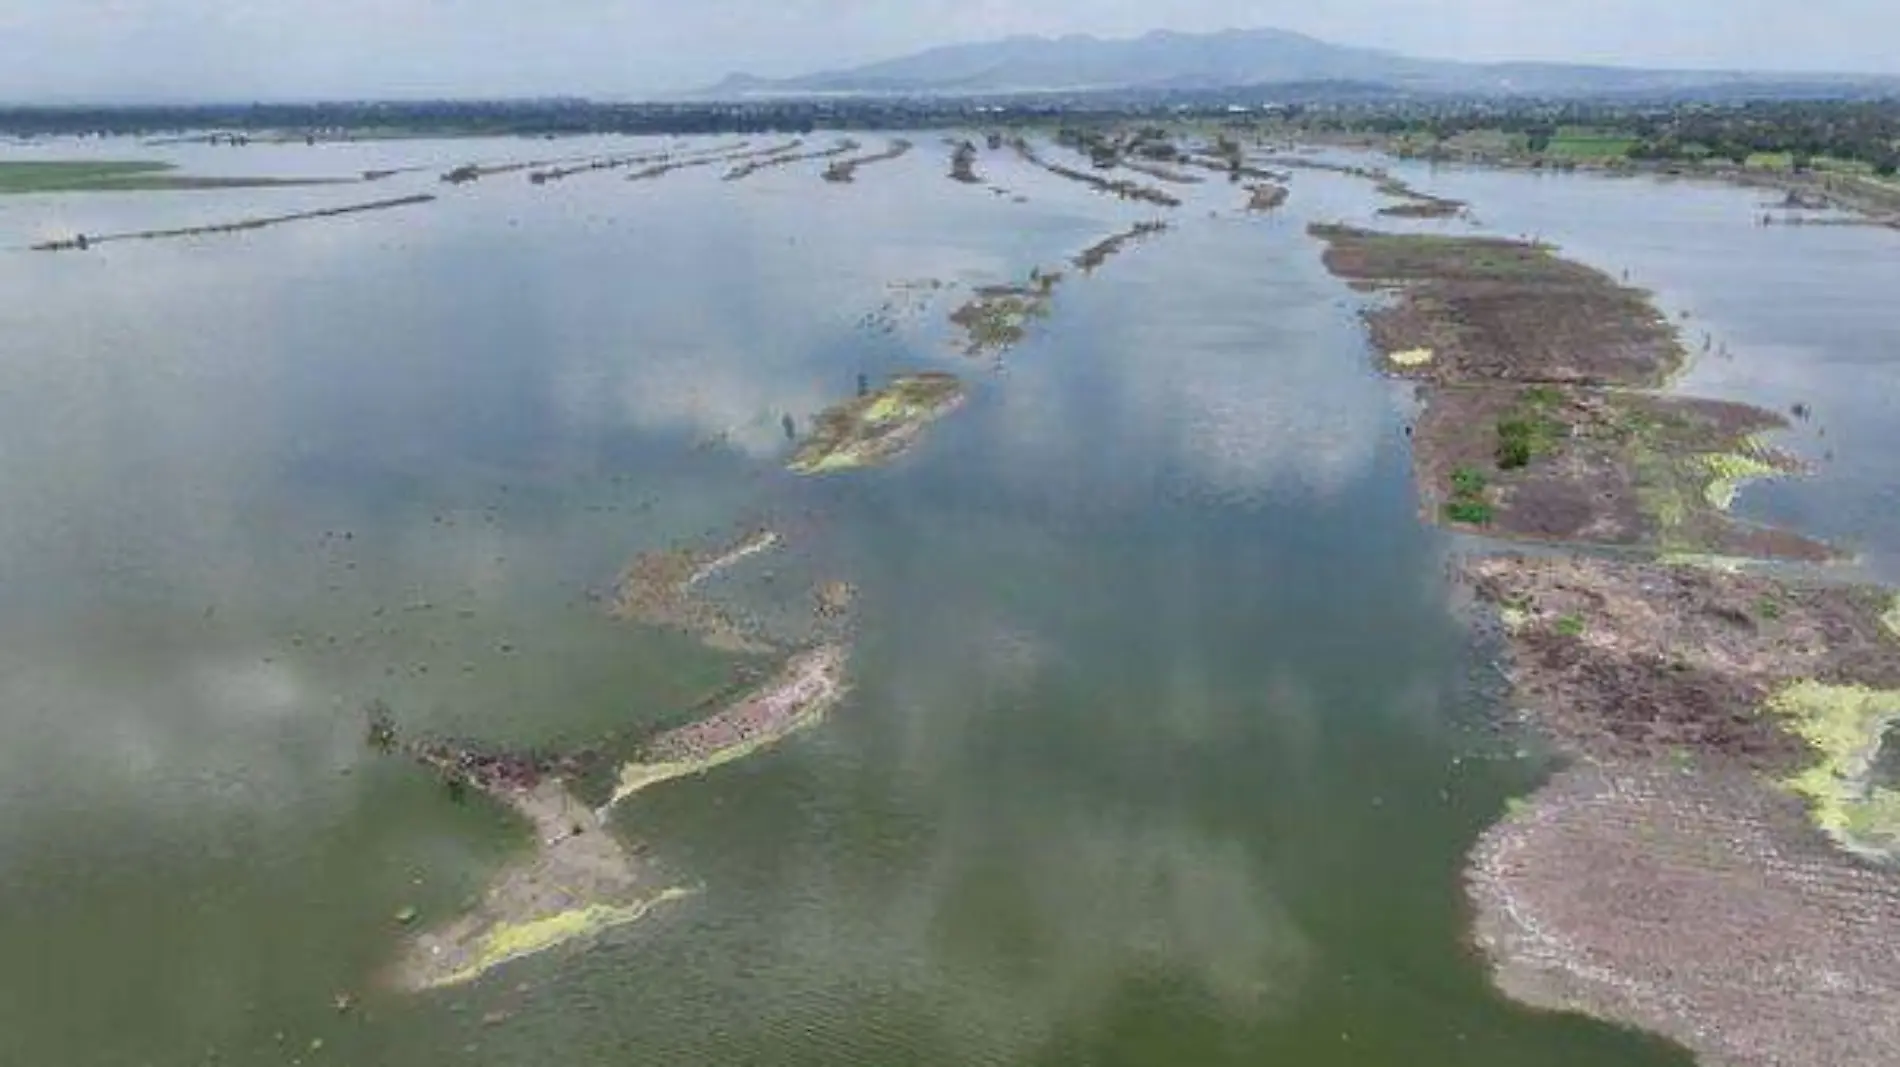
(77, 176)
(1583, 143)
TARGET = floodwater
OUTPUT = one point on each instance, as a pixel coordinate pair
(1165, 741)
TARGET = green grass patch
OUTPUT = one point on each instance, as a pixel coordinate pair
(1469, 504)
(1585, 144)
(1524, 437)
(1570, 626)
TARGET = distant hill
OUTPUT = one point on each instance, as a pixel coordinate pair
(1165, 60)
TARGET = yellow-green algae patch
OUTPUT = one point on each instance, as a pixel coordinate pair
(796, 699)
(1845, 724)
(576, 881)
(1411, 357)
(877, 426)
(508, 942)
(1727, 471)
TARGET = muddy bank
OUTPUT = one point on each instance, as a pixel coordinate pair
(1126, 190)
(659, 589)
(877, 426)
(1102, 251)
(82, 242)
(846, 170)
(797, 698)
(753, 166)
(1704, 870)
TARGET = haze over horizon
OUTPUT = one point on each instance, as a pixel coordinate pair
(56, 51)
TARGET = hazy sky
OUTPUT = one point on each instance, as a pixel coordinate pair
(197, 49)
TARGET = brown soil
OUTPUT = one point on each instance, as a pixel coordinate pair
(1504, 310)
(1663, 882)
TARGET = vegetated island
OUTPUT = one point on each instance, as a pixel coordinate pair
(845, 171)
(121, 176)
(1668, 878)
(82, 242)
(1537, 422)
(878, 425)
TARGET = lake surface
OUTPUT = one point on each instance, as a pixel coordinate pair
(1165, 742)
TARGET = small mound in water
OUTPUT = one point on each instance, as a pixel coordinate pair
(878, 426)
(797, 698)
(658, 589)
(1671, 881)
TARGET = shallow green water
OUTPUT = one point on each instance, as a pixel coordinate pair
(1164, 745)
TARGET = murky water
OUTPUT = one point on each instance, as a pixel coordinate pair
(1164, 744)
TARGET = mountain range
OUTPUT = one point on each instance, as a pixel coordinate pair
(1169, 61)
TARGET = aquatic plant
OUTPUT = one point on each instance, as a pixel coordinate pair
(1411, 358)
(1845, 725)
(508, 942)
